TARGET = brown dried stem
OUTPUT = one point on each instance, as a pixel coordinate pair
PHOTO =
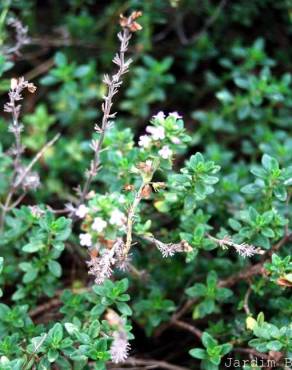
(113, 84)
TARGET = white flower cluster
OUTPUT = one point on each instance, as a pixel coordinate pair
(157, 133)
(117, 218)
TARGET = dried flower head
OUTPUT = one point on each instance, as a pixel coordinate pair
(129, 187)
(146, 191)
(130, 22)
(120, 346)
(169, 249)
(21, 37)
(31, 181)
(244, 249)
(101, 266)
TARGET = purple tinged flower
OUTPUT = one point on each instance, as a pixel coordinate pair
(157, 133)
(36, 211)
(165, 152)
(159, 116)
(175, 115)
(120, 347)
(175, 140)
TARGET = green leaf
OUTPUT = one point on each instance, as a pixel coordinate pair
(123, 285)
(198, 290)
(94, 329)
(274, 345)
(52, 355)
(208, 365)
(4, 311)
(33, 246)
(226, 348)
(281, 193)
(225, 96)
(30, 275)
(60, 59)
(124, 308)
(250, 189)
(55, 268)
(208, 341)
(71, 328)
(234, 224)
(269, 163)
(82, 71)
(268, 232)
(198, 353)
(212, 280)
(215, 359)
(223, 293)
(56, 333)
(206, 307)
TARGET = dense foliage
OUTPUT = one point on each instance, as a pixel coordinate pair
(160, 236)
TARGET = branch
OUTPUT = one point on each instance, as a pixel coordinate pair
(35, 160)
(243, 249)
(113, 84)
(168, 249)
(245, 274)
(191, 328)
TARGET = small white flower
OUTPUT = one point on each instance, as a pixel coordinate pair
(159, 115)
(85, 240)
(98, 224)
(165, 152)
(175, 140)
(144, 141)
(158, 133)
(175, 115)
(81, 211)
(117, 218)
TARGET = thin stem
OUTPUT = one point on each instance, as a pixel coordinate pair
(246, 299)
(245, 274)
(35, 160)
(113, 83)
(7, 205)
(188, 327)
(131, 216)
(244, 249)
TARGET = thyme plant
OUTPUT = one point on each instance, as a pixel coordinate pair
(152, 232)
